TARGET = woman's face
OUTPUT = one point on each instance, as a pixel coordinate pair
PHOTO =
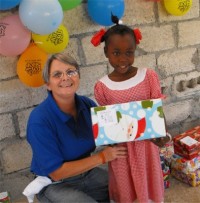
(63, 79)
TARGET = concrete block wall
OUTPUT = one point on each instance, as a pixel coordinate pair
(170, 45)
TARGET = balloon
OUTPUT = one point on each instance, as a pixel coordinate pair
(41, 16)
(8, 4)
(177, 7)
(100, 10)
(69, 4)
(14, 37)
(54, 42)
(30, 66)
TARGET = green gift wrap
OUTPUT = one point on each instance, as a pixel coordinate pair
(5, 197)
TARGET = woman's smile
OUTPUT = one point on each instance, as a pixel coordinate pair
(65, 84)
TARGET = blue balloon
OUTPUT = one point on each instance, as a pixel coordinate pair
(101, 10)
(41, 16)
(8, 4)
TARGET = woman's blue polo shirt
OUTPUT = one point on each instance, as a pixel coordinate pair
(55, 137)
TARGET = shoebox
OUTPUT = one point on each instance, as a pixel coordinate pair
(191, 178)
(127, 122)
(187, 144)
(184, 165)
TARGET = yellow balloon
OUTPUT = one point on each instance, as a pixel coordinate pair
(177, 7)
(30, 66)
(54, 42)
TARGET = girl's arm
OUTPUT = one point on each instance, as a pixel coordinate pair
(156, 93)
(161, 141)
(99, 94)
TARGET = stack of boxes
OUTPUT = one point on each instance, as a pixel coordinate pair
(166, 152)
(165, 171)
(185, 163)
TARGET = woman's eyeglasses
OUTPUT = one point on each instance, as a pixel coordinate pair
(60, 74)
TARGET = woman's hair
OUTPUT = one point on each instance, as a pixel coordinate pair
(65, 58)
(119, 29)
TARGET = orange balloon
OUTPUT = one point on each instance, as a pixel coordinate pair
(30, 66)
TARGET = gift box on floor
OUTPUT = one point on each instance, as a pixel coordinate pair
(184, 165)
(187, 144)
(166, 184)
(192, 178)
(167, 151)
(165, 171)
(127, 122)
(188, 155)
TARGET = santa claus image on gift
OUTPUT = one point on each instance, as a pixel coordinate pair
(128, 122)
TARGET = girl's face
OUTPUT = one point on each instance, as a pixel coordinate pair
(63, 79)
(120, 52)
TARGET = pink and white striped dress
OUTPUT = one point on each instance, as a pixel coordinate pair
(139, 176)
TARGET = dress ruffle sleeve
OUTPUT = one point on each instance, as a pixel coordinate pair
(155, 87)
(99, 94)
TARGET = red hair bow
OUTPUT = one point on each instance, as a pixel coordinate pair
(96, 39)
(138, 35)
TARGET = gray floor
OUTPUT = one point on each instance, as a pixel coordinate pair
(178, 192)
(181, 192)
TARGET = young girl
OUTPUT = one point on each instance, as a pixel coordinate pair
(138, 177)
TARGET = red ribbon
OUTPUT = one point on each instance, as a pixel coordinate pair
(138, 35)
(96, 39)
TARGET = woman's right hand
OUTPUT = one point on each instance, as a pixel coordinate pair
(111, 153)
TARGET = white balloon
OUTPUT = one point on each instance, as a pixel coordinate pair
(41, 16)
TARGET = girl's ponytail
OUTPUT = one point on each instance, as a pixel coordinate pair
(118, 28)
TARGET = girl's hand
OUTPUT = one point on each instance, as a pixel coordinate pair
(161, 141)
(111, 153)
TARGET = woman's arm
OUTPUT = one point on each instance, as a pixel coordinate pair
(72, 168)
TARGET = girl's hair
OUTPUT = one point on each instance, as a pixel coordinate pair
(65, 58)
(119, 29)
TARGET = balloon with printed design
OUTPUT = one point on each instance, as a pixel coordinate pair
(30, 66)
(101, 11)
(41, 16)
(14, 36)
(177, 7)
(69, 4)
(52, 43)
(8, 4)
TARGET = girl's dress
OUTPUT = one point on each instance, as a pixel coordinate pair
(139, 176)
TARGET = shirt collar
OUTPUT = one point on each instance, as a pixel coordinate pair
(64, 117)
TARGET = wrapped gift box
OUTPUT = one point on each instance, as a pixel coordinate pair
(5, 197)
(187, 144)
(185, 165)
(165, 171)
(128, 122)
(166, 184)
(192, 178)
(167, 151)
(188, 155)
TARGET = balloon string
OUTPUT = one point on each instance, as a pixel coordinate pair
(32, 41)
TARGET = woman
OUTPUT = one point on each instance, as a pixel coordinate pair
(60, 134)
